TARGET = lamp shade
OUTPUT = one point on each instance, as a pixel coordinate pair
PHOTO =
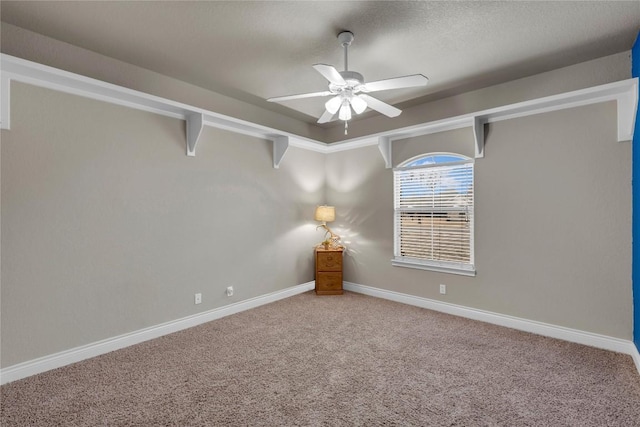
(345, 112)
(358, 104)
(325, 213)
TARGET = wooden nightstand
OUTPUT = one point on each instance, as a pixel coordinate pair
(328, 271)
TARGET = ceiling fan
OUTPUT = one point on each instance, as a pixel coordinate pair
(349, 90)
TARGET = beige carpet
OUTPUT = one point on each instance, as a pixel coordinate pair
(347, 360)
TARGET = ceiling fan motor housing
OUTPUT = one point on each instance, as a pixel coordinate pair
(352, 78)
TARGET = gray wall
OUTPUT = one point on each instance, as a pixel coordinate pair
(108, 227)
(552, 224)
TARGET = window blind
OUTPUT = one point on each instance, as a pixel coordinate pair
(434, 214)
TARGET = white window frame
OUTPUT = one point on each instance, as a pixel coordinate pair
(462, 268)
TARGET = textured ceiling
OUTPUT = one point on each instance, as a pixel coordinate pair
(256, 50)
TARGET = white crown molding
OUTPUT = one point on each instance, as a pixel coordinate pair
(545, 329)
(67, 357)
(624, 92)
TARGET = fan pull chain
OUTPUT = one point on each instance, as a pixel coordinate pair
(346, 127)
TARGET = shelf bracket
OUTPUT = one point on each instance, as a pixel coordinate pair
(478, 134)
(384, 145)
(195, 122)
(5, 92)
(280, 147)
(627, 104)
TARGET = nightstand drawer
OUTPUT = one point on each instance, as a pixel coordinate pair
(329, 283)
(329, 261)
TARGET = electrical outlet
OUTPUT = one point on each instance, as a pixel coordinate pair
(198, 298)
(443, 289)
(230, 291)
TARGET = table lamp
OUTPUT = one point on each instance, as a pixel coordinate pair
(327, 214)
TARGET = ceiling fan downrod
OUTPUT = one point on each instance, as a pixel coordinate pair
(345, 38)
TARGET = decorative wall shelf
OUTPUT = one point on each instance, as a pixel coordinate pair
(20, 70)
(624, 92)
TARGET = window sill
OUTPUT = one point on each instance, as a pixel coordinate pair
(463, 270)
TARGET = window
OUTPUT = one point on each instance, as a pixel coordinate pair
(433, 213)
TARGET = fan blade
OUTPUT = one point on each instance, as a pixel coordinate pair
(396, 83)
(381, 107)
(326, 117)
(330, 73)
(299, 96)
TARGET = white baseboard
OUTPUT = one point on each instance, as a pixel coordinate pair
(545, 329)
(635, 353)
(67, 357)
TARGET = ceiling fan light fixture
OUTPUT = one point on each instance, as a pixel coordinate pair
(358, 104)
(345, 112)
(333, 105)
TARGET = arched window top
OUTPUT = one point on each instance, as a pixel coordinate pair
(434, 158)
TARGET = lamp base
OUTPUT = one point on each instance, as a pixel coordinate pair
(331, 242)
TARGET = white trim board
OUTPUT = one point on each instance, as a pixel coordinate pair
(624, 92)
(67, 357)
(539, 328)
